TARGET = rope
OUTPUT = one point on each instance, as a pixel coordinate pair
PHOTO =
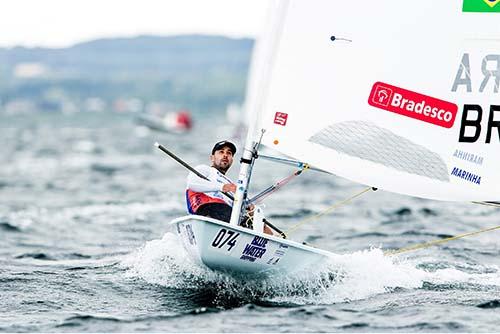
(249, 215)
(390, 252)
(278, 185)
(331, 208)
(436, 242)
(442, 241)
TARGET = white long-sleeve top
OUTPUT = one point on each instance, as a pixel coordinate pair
(212, 188)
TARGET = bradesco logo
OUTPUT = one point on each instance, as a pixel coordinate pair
(414, 105)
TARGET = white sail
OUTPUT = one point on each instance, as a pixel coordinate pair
(385, 93)
(262, 59)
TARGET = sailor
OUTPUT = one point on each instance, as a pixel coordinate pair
(204, 197)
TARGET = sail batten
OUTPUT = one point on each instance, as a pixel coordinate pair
(367, 141)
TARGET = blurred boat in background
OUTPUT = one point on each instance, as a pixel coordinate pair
(172, 122)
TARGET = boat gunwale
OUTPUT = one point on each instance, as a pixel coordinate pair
(253, 232)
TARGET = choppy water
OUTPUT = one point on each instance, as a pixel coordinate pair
(85, 244)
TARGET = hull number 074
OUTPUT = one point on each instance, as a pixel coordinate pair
(225, 238)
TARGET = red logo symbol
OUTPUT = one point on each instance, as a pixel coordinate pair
(412, 104)
(280, 118)
(381, 96)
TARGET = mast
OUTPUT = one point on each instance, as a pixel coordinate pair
(242, 185)
(261, 68)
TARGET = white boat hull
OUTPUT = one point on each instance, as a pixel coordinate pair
(241, 251)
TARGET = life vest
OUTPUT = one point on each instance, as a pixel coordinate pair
(195, 199)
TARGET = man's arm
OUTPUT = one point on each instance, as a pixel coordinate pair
(196, 183)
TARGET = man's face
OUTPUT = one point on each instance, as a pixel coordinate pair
(222, 159)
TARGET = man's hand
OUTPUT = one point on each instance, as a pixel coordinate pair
(229, 187)
(251, 209)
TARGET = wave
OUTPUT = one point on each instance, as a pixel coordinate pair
(53, 257)
(344, 278)
(427, 234)
(295, 214)
(86, 320)
(79, 320)
(37, 256)
(101, 212)
(490, 304)
(4, 226)
(106, 169)
(363, 235)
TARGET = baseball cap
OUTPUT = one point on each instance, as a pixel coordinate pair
(223, 143)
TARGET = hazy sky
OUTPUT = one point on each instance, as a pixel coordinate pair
(59, 23)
